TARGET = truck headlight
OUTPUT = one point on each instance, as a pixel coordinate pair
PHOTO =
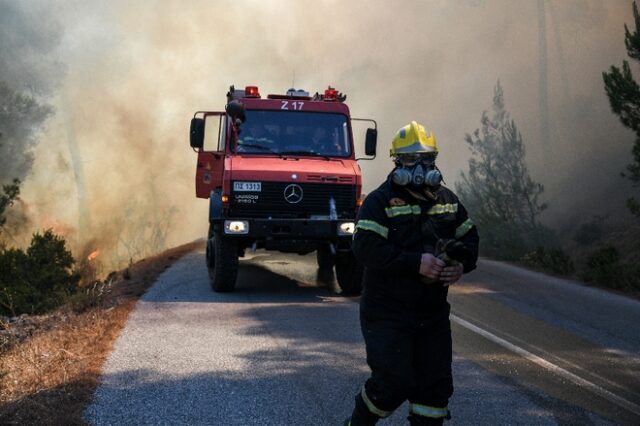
(346, 228)
(236, 227)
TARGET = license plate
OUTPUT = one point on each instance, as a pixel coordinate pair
(247, 186)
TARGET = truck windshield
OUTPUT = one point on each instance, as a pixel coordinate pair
(294, 133)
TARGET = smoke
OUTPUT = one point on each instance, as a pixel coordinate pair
(28, 73)
(136, 72)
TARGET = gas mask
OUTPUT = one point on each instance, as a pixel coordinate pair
(419, 173)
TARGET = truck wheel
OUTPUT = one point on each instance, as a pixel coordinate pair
(349, 274)
(222, 262)
(325, 265)
(325, 257)
(209, 257)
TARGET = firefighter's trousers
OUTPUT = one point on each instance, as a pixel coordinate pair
(409, 354)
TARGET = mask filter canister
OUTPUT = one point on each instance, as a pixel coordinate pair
(417, 176)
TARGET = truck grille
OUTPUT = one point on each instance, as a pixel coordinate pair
(270, 201)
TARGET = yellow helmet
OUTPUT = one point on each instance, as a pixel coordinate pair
(413, 139)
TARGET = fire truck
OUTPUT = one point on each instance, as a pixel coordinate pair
(280, 173)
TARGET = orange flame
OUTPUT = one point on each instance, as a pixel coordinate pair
(93, 255)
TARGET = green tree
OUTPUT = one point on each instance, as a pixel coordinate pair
(624, 96)
(39, 279)
(497, 190)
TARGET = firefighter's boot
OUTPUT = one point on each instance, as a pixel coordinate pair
(361, 415)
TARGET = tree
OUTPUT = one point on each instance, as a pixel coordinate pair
(624, 96)
(10, 194)
(497, 190)
(21, 118)
(39, 279)
(30, 72)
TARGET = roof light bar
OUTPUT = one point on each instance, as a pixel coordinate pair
(330, 94)
(251, 92)
(297, 92)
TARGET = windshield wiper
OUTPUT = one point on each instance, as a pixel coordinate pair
(262, 147)
(311, 153)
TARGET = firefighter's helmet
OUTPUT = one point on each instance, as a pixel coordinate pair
(413, 139)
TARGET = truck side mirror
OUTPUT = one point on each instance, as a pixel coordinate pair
(370, 142)
(196, 133)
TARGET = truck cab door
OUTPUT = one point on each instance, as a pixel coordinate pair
(210, 165)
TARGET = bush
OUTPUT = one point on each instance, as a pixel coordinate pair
(15, 292)
(92, 296)
(605, 268)
(506, 241)
(554, 260)
(602, 266)
(589, 232)
(39, 279)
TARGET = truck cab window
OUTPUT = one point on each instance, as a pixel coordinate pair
(295, 132)
(214, 133)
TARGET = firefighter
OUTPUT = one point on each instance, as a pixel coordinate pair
(415, 239)
(257, 139)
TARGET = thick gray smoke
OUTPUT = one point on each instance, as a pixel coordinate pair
(136, 72)
(29, 72)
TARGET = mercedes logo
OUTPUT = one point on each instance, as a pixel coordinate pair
(293, 193)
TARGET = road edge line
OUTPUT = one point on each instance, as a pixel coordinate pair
(610, 396)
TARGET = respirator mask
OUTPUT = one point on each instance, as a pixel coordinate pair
(417, 170)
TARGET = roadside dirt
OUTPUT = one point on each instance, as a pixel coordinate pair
(50, 365)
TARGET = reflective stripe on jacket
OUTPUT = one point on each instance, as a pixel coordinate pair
(394, 228)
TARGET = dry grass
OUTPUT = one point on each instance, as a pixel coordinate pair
(49, 378)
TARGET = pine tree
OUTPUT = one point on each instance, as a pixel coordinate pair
(624, 96)
(497, 190)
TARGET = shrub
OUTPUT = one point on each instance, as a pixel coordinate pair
(39, 279)
(589, 232)
(15, 292)
(92, 296)
(603, 266)
(554, 260)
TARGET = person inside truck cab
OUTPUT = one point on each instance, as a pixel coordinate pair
(253, 137)
(324, 143)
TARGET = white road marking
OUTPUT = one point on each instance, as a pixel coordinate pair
(634, 408)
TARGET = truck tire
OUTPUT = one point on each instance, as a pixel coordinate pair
(222, 262)
(326, 260)
(349, 274)
(209, 257)
(325, 257)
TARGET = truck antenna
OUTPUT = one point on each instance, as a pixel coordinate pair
(293, 79)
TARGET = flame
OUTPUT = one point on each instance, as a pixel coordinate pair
(93, 255)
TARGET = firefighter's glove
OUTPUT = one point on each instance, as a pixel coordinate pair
(453, 252)
(431, 267)
(451, 274)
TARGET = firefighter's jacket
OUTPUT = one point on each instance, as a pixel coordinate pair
(393, 229)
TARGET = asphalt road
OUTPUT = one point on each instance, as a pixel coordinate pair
(283, 350)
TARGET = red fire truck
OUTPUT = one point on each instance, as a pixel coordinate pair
(281, 174)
